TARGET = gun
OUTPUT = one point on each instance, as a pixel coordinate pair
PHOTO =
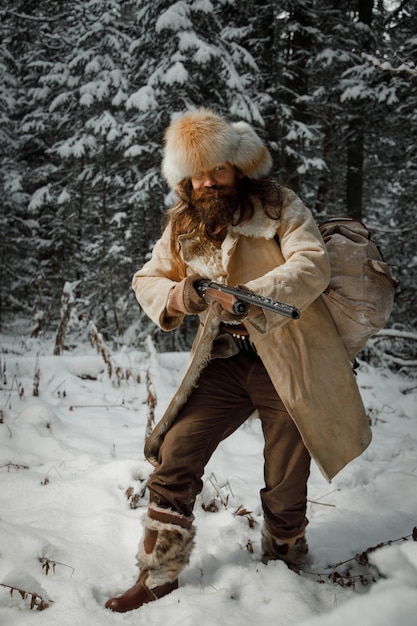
(237, 300)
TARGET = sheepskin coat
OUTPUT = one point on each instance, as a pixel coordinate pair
(305, 358)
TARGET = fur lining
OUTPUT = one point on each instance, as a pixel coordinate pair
(196, 365)
(171, 553)
(204, 258)
(260, 225)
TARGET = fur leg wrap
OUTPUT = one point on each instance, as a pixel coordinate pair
(166, 545)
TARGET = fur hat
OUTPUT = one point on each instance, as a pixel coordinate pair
(200, 139)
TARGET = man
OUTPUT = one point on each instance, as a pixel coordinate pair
(234, 224)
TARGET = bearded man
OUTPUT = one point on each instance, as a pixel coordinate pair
(235, 225)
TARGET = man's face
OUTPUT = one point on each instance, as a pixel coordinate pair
(214, 195)
(222, 175)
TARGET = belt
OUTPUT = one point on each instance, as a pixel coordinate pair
(241, 338)
(233, 329)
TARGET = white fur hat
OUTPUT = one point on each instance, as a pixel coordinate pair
(200, 139)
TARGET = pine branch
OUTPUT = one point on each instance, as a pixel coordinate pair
(387, 67)
(33, 18)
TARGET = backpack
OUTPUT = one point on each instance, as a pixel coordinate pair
(361, 292)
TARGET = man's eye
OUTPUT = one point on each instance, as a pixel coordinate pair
(219, 168)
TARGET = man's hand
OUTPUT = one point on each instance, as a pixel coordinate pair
(231, 318)
(183, 299)
(253, 310)
(226, 316)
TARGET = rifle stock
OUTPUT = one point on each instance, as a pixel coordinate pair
(237, 300)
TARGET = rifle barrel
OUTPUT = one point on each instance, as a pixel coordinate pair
(288, 310)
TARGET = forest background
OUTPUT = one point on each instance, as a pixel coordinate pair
(87, 88)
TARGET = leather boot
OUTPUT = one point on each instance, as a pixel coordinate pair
(139, 594)
(164, 551)
(292, 551)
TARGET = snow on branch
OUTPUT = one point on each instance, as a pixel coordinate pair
(393, 332)
(392, 346)
(387, 67)
(34, 18)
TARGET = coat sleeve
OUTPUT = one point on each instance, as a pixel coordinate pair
(153, 282)
(305, 273)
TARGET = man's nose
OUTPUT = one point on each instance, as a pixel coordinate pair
(209, 181)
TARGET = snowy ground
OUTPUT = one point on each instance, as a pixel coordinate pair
(72, 480)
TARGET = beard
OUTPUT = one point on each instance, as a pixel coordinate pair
(215, 206)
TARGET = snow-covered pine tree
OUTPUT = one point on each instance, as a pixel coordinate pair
(184, 55)
(391, 149)
(12, 204)
(81, 94)
(27, 40)
(87, 88)
(283, 38)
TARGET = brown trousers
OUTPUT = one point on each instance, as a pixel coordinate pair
(228, 392)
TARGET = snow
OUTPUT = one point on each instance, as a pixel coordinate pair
(143, 99)
(73, 477)
(76, 147)
(64, 196)
(40, 197)
(175, 18)
(176, 74)
(204, 51)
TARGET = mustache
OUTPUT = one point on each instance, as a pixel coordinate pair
(217, 191)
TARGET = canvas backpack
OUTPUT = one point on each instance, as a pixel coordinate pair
(361, 292)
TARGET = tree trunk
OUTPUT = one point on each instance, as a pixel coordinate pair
(356, 134)
(355, 156)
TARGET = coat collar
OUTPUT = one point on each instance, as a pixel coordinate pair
(212, 261)
(260, 225)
